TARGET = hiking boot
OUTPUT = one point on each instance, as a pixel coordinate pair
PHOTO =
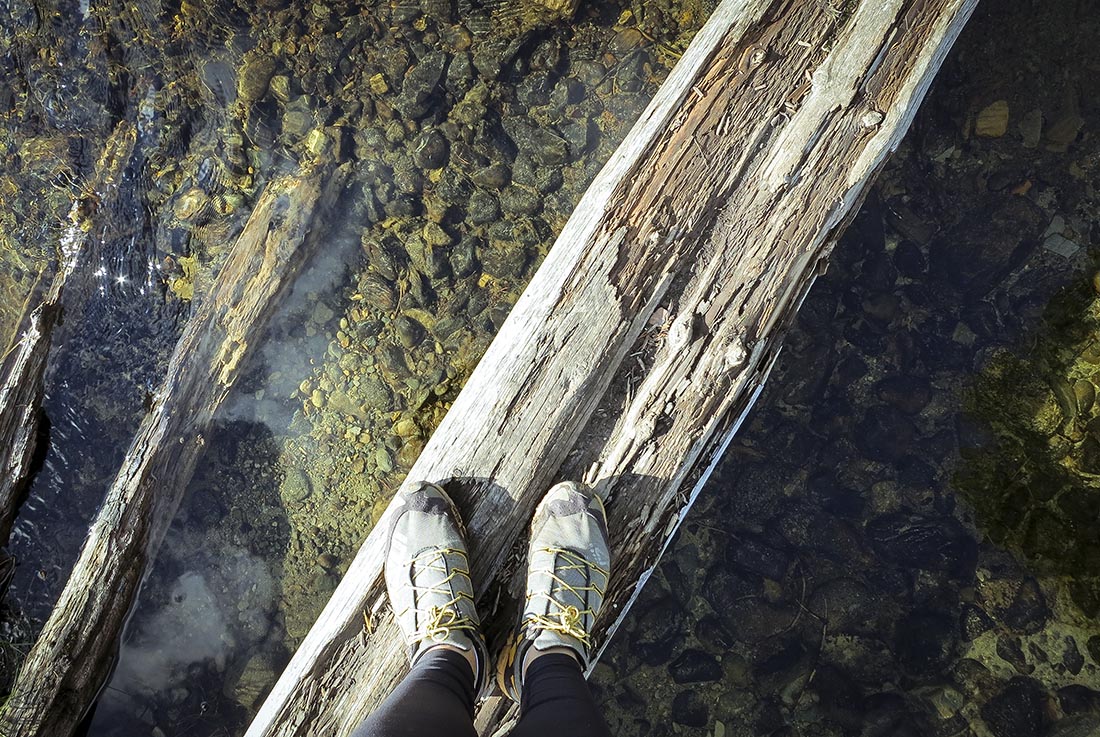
(428, 577)
(567, 569)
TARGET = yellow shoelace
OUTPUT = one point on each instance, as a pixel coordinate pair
(568, 620)
(444, 618)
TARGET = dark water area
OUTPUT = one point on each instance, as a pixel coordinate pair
(903, 539)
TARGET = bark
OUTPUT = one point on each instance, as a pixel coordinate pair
(648, 332)
(24, 363)
(76, 651)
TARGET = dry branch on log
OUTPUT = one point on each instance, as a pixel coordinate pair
(73, 656)
(24, 363)
(719, 209)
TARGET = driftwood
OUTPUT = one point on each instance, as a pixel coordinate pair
(73, 657)
(24, 363)
(650, 328)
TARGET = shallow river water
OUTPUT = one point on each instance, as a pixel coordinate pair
(905, 538)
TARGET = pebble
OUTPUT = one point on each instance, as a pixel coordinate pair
(689, 709)
(1078, 725)
(520, 201)
(409, 332)
(1017, 711)
(280, 88)
(342, 402)
(406, 428)
(1063, 131)
(378, 292)
(494, 176)
(1085, 393)
(909, 260)
(1031, 127)
(545, 145)
(996, 245)
(374, 393)
(711, 634)
(992, 121)
(975, 622)
(657, 627)
(296, 487)
(297, 123)
(464, 257)
(322, 314)
(483, 208)
(695, 666)
(926, 641)
(1072, 659)
(918, 541)
(1028, 611)
(885, 434)
(383, 461)
(502, 260)
(436, 237)
(910, 394)
(431, 149)
(255, 74)
(1059, 244)
(419, 85)
(409, 452)
(755, 555)
(190, 204)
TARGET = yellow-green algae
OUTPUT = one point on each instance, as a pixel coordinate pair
(1034, 481)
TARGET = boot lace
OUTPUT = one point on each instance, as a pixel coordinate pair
(564, 618)
(447, 617)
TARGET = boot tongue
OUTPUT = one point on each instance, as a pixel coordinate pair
(567, 612)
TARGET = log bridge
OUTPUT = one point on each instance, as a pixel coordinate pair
(629, 361)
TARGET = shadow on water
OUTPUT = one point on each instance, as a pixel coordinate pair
(1030, 446)
(207, 615)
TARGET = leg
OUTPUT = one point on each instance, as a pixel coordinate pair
(427, 573)
(556, 700)
(436, 698)
(568, 563)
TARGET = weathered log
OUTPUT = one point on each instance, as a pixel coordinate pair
(24, 362)
(75, 653)
(650, 328)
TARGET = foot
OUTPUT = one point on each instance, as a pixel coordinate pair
(567, 569)
(428, 578)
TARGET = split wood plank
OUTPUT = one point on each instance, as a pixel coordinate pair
(73, 657)
(719, 209)
(24, 363)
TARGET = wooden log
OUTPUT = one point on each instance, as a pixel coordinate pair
(24, 363)
(651, 326)
(73, 657)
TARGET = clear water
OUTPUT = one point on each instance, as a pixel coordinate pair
(902, 541)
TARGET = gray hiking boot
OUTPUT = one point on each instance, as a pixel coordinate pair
(428, 577)
(567, 569)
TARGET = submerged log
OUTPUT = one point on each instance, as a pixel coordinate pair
(24, 363)
(648, 332)
(73, 657)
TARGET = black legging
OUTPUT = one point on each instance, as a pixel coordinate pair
(436, 699)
